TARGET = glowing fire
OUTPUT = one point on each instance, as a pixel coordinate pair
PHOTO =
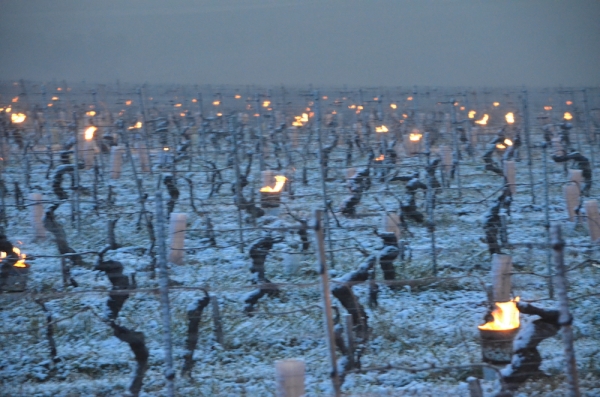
(55, 98)
(216, 103)
(496, 104)
(20, 262)
(507, 142)
(219, 114)
(325, 97)
(352, 107)
(89, 133)
(393, 106)
(91, 113)
(128, 102)
(404, 115)
(547, 108)
(194, 100)
(177, 105)
(136, 125)
(266, 104)
(506, 317)
(280, 181)
(510, 117)
(484, 120)
(237, 96)
(462, 108)
(568, 116)
(15, 99)
(569, 103)
(409, 98)
(17, 118)
(472, 114)
(415, 137)
(383, 128)
(380, 158)
(182, 114)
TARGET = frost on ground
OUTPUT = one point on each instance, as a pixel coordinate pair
(412, 326)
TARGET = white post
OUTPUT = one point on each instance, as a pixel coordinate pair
(593, 218)
(144, 158)
(391, 223)
(37, 213)
(501, 269)
(510, 173)
(177, 232)
(268, 178)
(290, 378)
(571, 191)
(116, 160)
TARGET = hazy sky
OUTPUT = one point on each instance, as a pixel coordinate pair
(328, 42)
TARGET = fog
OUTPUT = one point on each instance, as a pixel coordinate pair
(334, 42)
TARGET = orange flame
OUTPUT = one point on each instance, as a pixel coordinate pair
(472, 114)
(393, 106)
(506, 317)
(89, 133)
(237, 96)
(383, 128)
(15, 99)
(177, 105)
(20, 262)
(216, 103)
(409, 98)
(128, 102)
(280, 181)
(547, 108)
(569, 103)
(55, 98)
(496, 104)
(194, 100)
(17, 118)
(266, 104)
(380, 158)
(484, 120)
(91, 113)
(136, 125)
(510, 117)
(415, 137)
(568, 116)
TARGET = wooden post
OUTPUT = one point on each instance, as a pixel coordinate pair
(474, 387)
(76, 176)
(349, 328)
(216, 318)
(317, 107)
(350, 172)
(593, 218)
(116, 160)
(501, 269)
(37, 213)
(289, 375)
(510, 173)
(565, 319)
(325, 294)
(528, 142)
(177, 233)
(456, 149)
(547, 222)
(238, 182)
(571, 191)
(163, 275)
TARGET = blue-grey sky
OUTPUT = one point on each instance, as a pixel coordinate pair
(332, 42)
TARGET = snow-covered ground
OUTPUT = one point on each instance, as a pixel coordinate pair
(415, 327)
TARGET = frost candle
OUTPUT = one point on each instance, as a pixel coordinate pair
(89, 147)
(116, 160)
(571, 191)
(177, 231)
(510, 173)
(270, 196)
(37, 213)
(144, 158)
(413, 142)
(593, 217)
(391, 223)
(290, 378)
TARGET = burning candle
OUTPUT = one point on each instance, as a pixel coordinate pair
(413, 142)
(89, 147)
(270, 197)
